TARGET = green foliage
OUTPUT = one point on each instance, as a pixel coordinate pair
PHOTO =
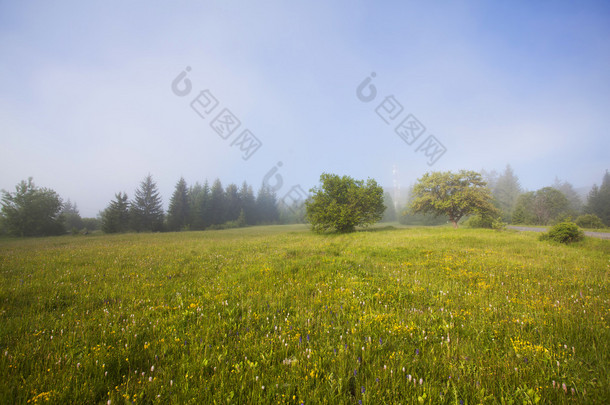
(115, 218)
(506, 191)
(72, 219)
(453, 194)
(542, 207)
(146, 210)
(342, 203)
(598, 201)
(409, 218)
(389, 215)
(564, 232)
(590, 221)
(32, 211)
(266, 206)
(498, 224)
(178, 214)
(91, 224)
(485, 222)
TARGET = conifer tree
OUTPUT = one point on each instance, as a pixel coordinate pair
(147, 207)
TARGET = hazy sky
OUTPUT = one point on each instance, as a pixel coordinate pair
(87, 105)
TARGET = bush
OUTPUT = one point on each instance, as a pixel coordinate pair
(564, 232)
(591, 221)
(498, 224)
(478, 221)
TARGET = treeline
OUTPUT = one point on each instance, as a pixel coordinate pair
(35, 211)
(195, 207)
(545, 206)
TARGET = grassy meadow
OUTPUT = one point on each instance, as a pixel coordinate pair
(284, 316)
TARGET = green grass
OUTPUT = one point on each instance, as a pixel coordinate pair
(281, 315)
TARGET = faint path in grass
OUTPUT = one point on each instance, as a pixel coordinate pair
(601, 235)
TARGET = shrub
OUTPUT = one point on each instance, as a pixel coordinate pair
(478, 221)
(564, 232)
(498, 224)
(590, 221)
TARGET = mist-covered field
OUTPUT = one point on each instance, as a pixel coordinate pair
(281, 315)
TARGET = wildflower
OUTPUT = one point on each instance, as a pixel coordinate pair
(553, 383)
(421, 381)
(416, 351)
(171, 383)
(409, 377)
(152, 368)
(565, 388)
(573, 391)
(362, 389)
(149, 379)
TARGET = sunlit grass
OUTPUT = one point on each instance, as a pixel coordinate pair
(281, 315)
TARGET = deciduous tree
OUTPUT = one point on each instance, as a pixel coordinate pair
(32, 211)
(342, 203)
(453, 194)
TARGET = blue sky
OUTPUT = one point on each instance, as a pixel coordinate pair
(87, 107)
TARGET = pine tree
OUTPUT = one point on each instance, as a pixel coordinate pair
(178, 214)
(115, 218)
(248, 203)
(232, 203)
(598, 201)
(266, 206)
(217, 204)
(506, 191)
(147, 207)
(568, 190)
(199, 206)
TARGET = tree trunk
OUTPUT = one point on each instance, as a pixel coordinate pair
(454, 222)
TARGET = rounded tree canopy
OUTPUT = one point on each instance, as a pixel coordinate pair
(342, 203)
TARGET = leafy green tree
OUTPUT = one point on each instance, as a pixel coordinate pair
(178, 214)
(523, 213)
(598, 201)
(574, 200)
(32, 211)
(342, 203)
(550, 204)
(590, 221)
(454, 195)
(147, 207)
(115, 218)
(542, 207)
